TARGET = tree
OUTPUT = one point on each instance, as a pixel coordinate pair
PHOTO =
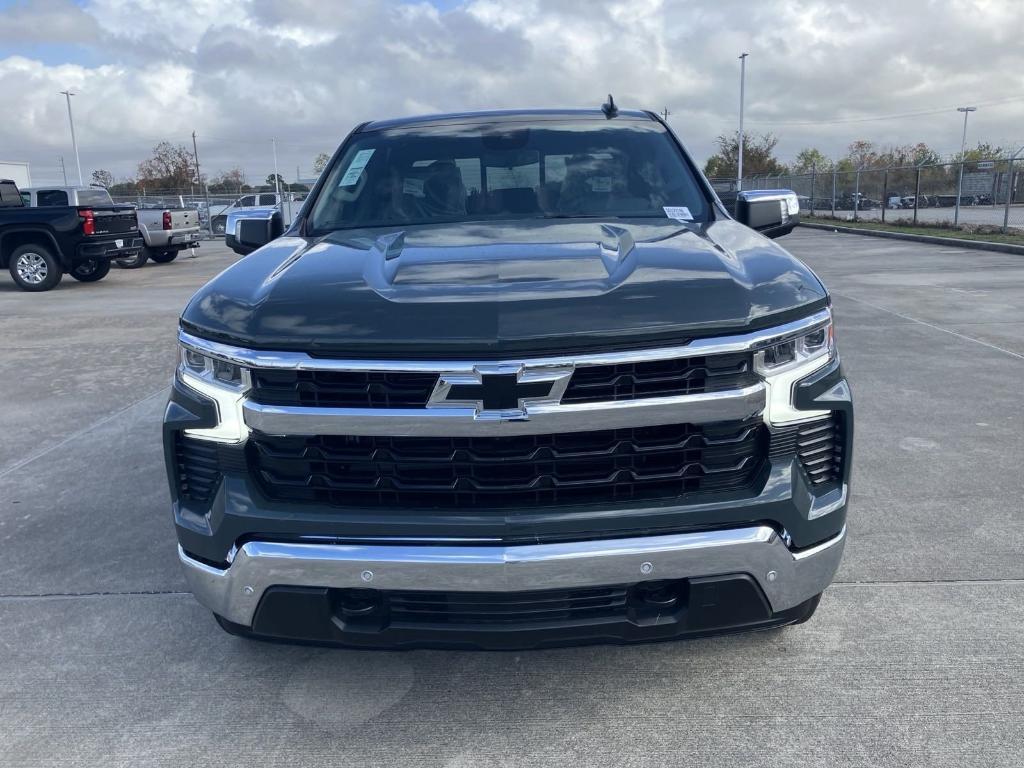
(809, 159)
(170, 167)
(862, 154)
(102, 178)
(124, 187)
(984, 151)
(758, 156)
(321, 162)
(229, 181)
(274, 179)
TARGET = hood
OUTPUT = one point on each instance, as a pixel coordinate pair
(489, 289)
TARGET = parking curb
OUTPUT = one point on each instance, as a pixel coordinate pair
(978, 245)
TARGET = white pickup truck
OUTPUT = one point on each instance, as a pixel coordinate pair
(289, 204)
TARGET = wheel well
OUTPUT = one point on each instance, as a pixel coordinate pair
(12, 240)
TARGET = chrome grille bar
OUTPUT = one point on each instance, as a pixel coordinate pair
(704, 408)
(301, 361)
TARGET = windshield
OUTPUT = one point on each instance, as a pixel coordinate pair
(94, 197)
(452, 173)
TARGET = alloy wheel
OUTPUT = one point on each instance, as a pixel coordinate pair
(32, 268)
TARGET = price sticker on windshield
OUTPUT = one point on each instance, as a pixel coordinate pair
(355, 168)
(678, 212)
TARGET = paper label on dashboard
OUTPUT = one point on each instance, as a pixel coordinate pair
(355, 168)
(678, 212)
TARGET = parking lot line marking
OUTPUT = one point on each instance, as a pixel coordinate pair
(75, 435)
(930, 325)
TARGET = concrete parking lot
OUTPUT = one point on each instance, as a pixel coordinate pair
(915, 658)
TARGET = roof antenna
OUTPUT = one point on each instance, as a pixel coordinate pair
(609, 108)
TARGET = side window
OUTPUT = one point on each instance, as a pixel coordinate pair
(9, 196)
(268, 199)
(247, 202)
(45, 197)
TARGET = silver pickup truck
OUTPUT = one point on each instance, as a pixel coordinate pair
(166, 232)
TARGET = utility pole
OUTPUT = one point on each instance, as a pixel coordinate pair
(963, 147)
(1009, 189)
(63, 170)
(74, 142)
(665, 113)
(204, 187)
(739, 153)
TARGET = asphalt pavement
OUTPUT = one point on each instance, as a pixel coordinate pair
(915, 657)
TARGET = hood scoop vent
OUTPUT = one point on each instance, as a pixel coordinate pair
(400, 271)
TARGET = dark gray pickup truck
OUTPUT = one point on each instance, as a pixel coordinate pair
(510, 379)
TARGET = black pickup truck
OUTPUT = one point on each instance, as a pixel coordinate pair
(510, 379)
(38, 245)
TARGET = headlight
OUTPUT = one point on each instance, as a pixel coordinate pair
(784, 363)
(796, 352)
(223, 382)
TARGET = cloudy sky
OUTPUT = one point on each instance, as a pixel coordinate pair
(820, 73)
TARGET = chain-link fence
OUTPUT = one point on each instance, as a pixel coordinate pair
(986, 195)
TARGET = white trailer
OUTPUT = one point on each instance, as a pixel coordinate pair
(16, 171)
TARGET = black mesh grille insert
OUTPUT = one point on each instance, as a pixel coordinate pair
(818, 445)
(198, 465)
(343, 389)
(475, 608)
(660, 378)
(607, 466)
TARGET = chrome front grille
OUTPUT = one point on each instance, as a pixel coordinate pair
(614, 382)
(668, 423)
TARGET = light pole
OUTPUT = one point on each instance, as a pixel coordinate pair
(739, 153)
(74, 142)
(963, 148)
(277, 176)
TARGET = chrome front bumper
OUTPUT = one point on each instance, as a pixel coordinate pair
(787, 578)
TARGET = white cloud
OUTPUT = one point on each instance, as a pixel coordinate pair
(238, 72)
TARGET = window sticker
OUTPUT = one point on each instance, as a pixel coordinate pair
(600, 184)
(413, 186)
(678, 212)
(355, 168)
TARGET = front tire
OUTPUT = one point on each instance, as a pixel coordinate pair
(163, 257)
(90, 270)
(34, 268)
(136, 261)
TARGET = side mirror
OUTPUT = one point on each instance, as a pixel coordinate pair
(772, 212)
(252, 228)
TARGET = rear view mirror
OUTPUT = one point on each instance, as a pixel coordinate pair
(247, 230)
(772, 212)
